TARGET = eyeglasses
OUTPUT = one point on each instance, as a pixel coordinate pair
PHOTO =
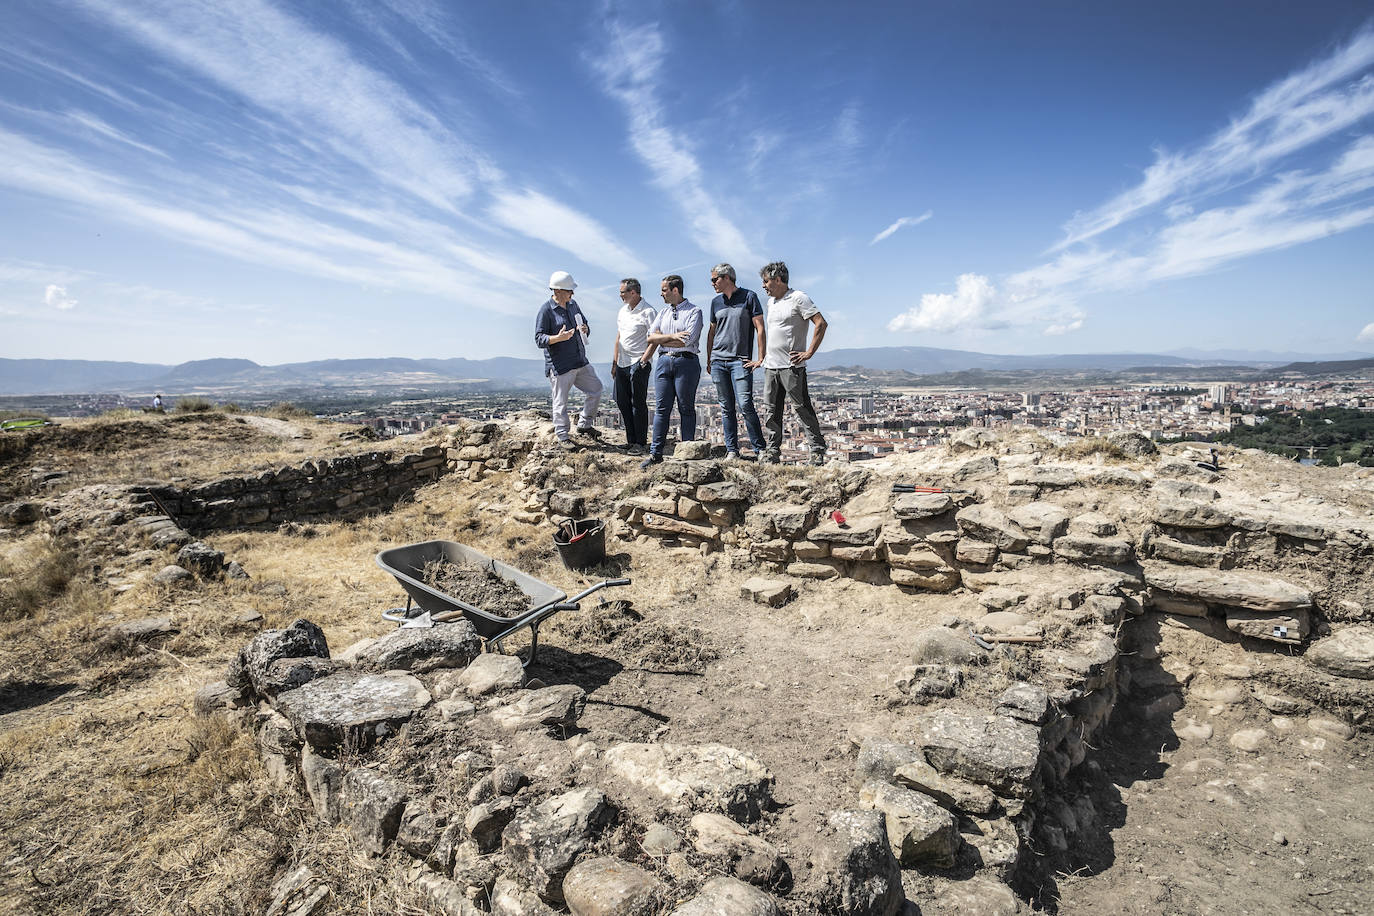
(715, 280)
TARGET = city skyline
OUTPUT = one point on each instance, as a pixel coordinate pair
(285, 182)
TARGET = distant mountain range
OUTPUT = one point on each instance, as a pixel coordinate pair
(227, 377)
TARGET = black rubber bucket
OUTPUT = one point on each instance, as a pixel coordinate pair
(581, 542)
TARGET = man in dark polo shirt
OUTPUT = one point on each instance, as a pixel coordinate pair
(736, 319)
(561, 331)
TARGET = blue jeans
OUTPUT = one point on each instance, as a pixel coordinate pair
(735, 387)
(675, 378)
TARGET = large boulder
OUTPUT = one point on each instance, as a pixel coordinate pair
(988, 524)
(1132, 443)
(1185, 489)
(755, 860)
(920, 832)
(1256, 591)
(998, 751)
(949, 791)
(352, 709)
(446, 645)
(709, 777)
(372, 808)
(943, 646)
(202, 559)
(1043, 522)
(547, 707)
(302, 639)
(1042, 475)
(607, 886)
(914, 506)
(1084, 549)
(1186, 513)
(1276, 626)
(728, 897)
(879, 759)
(490, 673)
(856, 870)
(1348, 652)
(856, 532)
(782, 520)
(543, 842)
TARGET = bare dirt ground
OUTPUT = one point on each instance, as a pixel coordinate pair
(113, 799)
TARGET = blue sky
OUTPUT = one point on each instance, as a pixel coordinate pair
(247, 178)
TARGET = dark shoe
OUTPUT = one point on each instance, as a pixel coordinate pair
(817, 459)
(651, 461)
(568, 445)
(591, 431)
(634, 450)
(770, 458)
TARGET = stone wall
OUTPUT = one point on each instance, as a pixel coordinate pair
(312, 489)
(999, 705)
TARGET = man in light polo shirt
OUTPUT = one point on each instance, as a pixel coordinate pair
(736, 317)
(630, 362)
(784, 362)
(677, 333)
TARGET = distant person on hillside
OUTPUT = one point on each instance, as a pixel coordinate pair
(631, 360)
(561, 331)
(784, 362)
(677, 332)
(736, 317)
(157, 402)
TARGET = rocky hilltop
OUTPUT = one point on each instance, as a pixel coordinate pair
(921, 684)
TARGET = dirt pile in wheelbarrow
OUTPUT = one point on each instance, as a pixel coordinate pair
(477, 586)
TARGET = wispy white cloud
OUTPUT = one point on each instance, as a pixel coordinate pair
(324, 168)
(1318, 102)
(630, 70)
(541, 217)
(1366, 335)
(431, 19)
(902, 223)
(1199, 217)
(56, 297)
(97, 126)
(310, 80)
(269, 237)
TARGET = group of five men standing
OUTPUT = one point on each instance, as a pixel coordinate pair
(743, 335)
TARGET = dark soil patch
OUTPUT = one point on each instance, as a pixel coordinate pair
(477, 586)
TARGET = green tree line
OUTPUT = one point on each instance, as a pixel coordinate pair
(1341, 435)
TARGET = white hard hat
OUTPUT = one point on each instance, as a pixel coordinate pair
(561, 279)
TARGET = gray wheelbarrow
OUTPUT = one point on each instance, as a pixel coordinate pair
(426, 605)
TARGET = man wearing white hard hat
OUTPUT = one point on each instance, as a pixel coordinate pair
(561, 331)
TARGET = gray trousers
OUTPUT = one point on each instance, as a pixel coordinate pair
(779, 386)
(586, 381)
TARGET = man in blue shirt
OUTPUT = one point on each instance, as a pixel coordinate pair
(677, 333)
(736, 316)
(560, 330)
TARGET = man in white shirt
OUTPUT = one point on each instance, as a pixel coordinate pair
(677, 332)
(631, 359)
(784, 364)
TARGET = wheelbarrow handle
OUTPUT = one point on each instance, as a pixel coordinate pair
(607, 583)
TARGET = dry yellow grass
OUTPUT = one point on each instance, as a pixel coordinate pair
(113, 798)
